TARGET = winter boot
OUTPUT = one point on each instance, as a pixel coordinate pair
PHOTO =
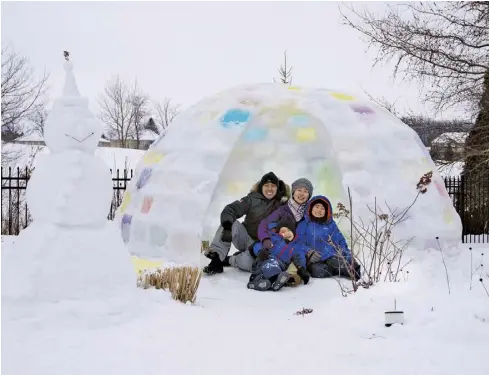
(225, 262)
(215, 266)
(294, 280)
(259, 283)
(281, 281)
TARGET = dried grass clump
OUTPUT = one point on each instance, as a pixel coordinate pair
(182, 282)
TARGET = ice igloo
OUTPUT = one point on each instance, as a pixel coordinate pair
(216, 150)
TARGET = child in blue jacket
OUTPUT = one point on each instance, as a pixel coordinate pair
(326, 248)
(269, 269)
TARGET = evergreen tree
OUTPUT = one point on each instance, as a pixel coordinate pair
(477, 143)
(476, 169)
(285, 72)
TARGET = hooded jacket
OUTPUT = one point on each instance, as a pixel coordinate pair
(255, 207)
(283, 250)
(314, 234)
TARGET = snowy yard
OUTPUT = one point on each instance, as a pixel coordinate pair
(233, 330)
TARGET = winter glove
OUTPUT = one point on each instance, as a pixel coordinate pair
(314, 256)
(264, 254)
(302, 272)
(227, 234)
(267, 244)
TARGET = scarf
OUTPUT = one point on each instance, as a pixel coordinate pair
(297, 209)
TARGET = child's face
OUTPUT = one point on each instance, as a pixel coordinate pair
(286, 233)
(318, 211)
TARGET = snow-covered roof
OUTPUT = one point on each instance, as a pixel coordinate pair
(103, 140)
(458, 137)
(148, 135)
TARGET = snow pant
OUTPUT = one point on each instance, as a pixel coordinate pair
(241, 241)
(267, 268)
(334, 266)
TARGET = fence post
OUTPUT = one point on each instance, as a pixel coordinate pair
(1, 209)
(18, 200)
(9, 201)
(462, 205)
(27, 178)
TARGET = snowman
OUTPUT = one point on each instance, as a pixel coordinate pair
(69, 251)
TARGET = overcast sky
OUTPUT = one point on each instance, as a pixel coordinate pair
(188, 50)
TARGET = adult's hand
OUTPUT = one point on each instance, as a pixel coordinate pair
(264, 254)
(227, 235)
(267, 244)
(314, 256)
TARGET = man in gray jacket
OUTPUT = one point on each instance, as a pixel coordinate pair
(265, 197)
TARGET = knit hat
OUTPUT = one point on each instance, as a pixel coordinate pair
(270, 177)
(288, 223)
(304, 183)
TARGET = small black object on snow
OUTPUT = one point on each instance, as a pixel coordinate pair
(304, 311)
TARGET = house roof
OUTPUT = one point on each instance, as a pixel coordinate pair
(457, 137)
(149, 135)
(146, 135)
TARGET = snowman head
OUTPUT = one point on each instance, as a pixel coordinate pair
(70, 124)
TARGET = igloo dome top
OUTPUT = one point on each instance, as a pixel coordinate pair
(216, 150)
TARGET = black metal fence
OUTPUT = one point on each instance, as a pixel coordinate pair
(470, 198)
(15, 214)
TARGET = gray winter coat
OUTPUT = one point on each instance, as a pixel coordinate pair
(255, 207)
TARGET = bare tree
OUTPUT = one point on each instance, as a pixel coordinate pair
(140, 111)
(123, 110)
(38, 120)
(22, 93)
(285, 72)
(165, 113)
(384, 103)
(443, 45)
(115, 110)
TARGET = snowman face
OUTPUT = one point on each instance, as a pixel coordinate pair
(72, 127)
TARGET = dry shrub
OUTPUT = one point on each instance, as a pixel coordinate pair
(381, 255)
(182, 282)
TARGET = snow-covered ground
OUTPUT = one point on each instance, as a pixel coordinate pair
(233, 330)
(115, 158)
(451, 169)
